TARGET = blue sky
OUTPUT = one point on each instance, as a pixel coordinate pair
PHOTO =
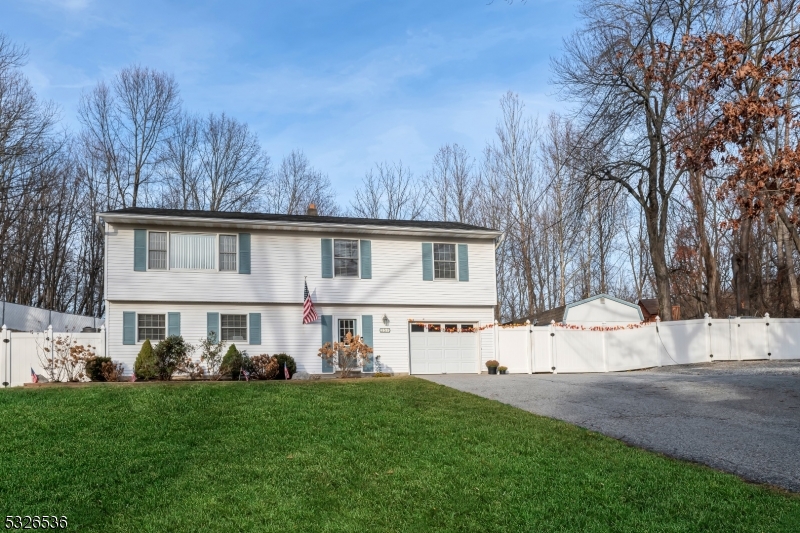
(350, 82)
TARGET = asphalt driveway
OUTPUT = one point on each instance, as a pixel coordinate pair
(742, 417)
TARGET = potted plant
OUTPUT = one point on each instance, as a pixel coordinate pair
(492, 366)
(503, 369)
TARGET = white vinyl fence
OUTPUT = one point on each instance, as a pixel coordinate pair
(553, 348)
(26, 318)
(23, 351)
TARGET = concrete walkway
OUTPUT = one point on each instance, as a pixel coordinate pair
(741, 417)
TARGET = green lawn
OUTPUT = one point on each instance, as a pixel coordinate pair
(363, 455)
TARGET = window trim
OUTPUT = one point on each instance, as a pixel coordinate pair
(246, 316)
(217, 248)
(166, 251)
(433, 259)
(140, 340)
(235, 236)
(358, 258)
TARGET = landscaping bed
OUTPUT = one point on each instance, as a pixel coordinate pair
(350, 455)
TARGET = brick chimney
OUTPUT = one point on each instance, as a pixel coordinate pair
(312, 210)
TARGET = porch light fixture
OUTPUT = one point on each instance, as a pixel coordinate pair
(385, 320)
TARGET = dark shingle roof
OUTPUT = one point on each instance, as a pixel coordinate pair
(544, 317)
(650, 305)
(234, 215)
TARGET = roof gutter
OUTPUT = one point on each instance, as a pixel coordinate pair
(292, 226)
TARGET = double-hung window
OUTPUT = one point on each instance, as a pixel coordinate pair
(153, 327)
(227, 253)
(345, 258)
(444, 261)
(234, 328)
(157, 250)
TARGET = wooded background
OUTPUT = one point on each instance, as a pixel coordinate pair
(671, 173)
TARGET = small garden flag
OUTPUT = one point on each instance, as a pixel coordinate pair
(34, 377)
(309, 313)
(286, 371)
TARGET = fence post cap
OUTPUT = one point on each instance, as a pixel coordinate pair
(552, 322)
(766, 315)
(528, 322)
(706, 315)
(658, 318)
(496, 322)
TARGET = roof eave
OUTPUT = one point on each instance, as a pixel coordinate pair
(282, 225)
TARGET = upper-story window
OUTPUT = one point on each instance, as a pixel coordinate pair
(345, 258)
(192, 251)
(444, 261)
(227, 252)
(157, 250)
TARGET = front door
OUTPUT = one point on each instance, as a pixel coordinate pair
(345, 326)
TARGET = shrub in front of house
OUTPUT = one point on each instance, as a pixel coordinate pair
(232, 363)
(146, 366)
(264, 366)
(347, 356)
(171, 356)
(211, 354)
(287, 360)
(111, 371)
(94, 368)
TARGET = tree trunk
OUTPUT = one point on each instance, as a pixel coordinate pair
(741, 268)
(707, 255)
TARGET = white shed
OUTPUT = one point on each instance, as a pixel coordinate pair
(602, 309)
(594, 311)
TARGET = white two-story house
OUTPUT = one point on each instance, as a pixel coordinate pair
(422, 294)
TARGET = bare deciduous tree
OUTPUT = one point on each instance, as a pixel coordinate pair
(234, 170)
(297, 184)
(389, 191)
(125, 122)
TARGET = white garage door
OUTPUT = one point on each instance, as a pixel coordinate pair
(444, 348)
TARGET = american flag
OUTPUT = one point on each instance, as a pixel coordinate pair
(34, 377)
(286, 371)
(309, 313)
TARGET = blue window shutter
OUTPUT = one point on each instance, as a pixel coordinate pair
(463, 263)
(173, 324)
(366, 334)
(366, 259)
(212, 325)
(327, 258)
(327, 336)
(140, 250)
(244, 253)
(427, 261)
(255, 328)
(128, 327)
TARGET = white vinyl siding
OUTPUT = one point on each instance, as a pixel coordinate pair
(444, 261)
(157, 250)
(282, 259)
(227, 252)
(151, 326)
(234, 328)
(191, 251)
(289, 334)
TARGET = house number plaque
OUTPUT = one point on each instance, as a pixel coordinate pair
(386, 330)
